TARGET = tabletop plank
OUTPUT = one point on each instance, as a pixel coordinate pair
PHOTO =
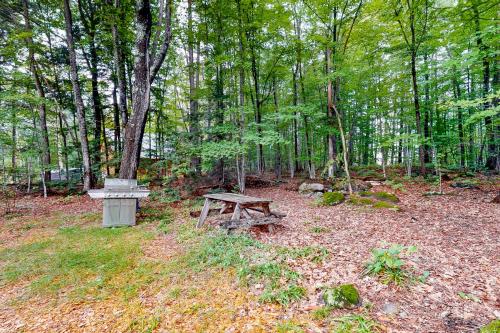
(236, 198)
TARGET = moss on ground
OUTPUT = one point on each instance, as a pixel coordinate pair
(332, 198)
(492, 327)
(343, 296)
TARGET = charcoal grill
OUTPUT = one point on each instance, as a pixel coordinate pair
(120, 201)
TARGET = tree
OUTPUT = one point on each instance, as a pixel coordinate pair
(77, 95)
(146, 66)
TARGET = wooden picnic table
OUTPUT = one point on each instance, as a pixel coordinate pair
(237, 203)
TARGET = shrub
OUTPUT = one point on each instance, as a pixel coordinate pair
(389, 265)
(343, 296)
(332, 198)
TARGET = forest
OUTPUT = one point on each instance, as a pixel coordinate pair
(235, 87)
(303, 166)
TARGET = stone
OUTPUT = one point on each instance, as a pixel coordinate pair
(390, 308)
(305, 188)
(356, 184)
(315, 195)
(342, 296)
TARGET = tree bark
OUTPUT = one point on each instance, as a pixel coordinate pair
(492, 159)
(119, 65)
(145, 71)
(193, 102)
(42, 110)
(80, 110)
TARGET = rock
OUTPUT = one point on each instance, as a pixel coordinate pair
(390, 308)
(465, 184)
(357, 185)
(315, 195)
(305, 188)
(343, 296)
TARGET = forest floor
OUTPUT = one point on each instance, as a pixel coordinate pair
(61, 272)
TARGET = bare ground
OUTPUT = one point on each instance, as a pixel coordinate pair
(457, 236)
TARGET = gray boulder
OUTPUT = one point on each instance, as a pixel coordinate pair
(305, 188)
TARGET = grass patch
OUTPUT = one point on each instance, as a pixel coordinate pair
(384, 205)
(356, 324)
(322, 313)
(319, 230)
(332, 198)
(87, 262)
(359, 201)
(386, 196)
(312, 253)
(256, 263)
(283, 296)
(289, 326)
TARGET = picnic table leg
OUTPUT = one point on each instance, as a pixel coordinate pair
(266, 210)
(246, 213)
(204, 213)
(236, 213)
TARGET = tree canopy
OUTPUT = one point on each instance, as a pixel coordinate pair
(224, 87)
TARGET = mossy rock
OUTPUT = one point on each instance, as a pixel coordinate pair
(359, 201)
(386, 196)
(343, 296)
(492, 327)
(384, 204)
(332, 198)
(356, 184)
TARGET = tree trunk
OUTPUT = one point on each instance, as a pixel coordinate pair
(193, 102)
(492, 158)
(119, 64)
(42, 110)
(332, 142)
(80, 110)
(416, 103)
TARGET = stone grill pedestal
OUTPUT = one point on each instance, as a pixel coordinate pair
(120, 201)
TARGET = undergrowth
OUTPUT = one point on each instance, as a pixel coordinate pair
(388, 263)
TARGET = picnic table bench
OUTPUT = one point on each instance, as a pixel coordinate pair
(238, 204)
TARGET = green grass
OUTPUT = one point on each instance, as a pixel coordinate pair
(283, 296)
(255, 263)
(313, 253)
(322, 313)
(85, 262)
(319, 230)
(288, 326)
(355, 324)
(384, 204)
